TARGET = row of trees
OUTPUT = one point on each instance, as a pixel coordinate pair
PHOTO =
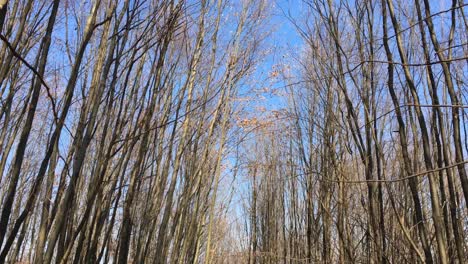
(367, 164)
(114, 123)
(121, 122)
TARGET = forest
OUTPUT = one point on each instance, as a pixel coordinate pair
(233, 131)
